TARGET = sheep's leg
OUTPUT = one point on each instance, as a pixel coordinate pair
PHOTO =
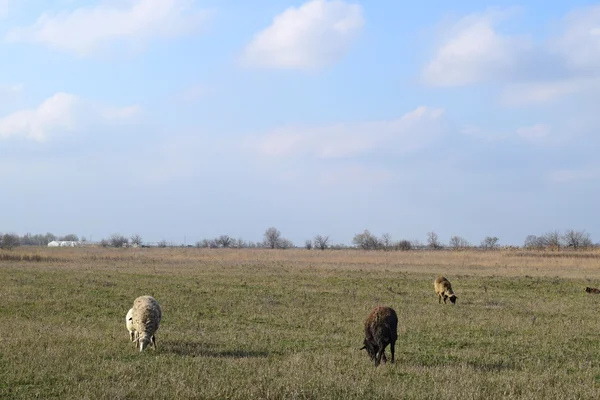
(380, 354)
(392, 350)
(153, 340)
(439, 299)
(445, 297)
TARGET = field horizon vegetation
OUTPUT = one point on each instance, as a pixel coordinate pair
(288, 324)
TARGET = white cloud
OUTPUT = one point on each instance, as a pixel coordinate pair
(58, 114)
(412, 131)
(89, 29)
(535, 132)
(474, 51)
(314, 35)
(54, 113)
(579, 44)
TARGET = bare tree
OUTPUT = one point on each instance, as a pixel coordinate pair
(162, 243)
(534, 242)
(433, 241)
(308, 244)
(417, 244)
(458, 242)
(552, 240)
(224, 241)
(272, 237)
(9, 241)
(386, 241)
(117, 240)
(404, 245)
(285, 244)
(577, 239)
(136, 240)
(28, 240)
(366, 241)
(321, 242)
(273, 240)
(490, 242)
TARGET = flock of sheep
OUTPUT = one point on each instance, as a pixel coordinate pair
(381, 327)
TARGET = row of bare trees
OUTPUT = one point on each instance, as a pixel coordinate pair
(555, 240)
(367, 241)
(118, 240)
(273, 239)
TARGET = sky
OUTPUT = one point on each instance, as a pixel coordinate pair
(181, 120)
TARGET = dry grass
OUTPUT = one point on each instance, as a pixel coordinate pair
(287, 324)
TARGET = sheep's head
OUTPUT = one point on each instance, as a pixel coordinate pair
(370, 349)
(453, 299)
(588, 289)
(129, 324)
(143, 341)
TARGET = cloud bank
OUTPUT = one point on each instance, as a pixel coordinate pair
(314, 35)
(87, 30)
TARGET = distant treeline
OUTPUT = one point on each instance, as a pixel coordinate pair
(273, 239)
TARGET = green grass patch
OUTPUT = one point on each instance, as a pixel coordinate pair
(265, 330)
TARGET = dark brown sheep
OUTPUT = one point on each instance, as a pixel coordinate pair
(381, 329)
(592, 290)
(443, 289)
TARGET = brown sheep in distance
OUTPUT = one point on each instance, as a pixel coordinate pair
(592, 290)
(443, 289)
(381, 329)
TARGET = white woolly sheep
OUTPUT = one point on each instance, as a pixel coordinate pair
(146, 317)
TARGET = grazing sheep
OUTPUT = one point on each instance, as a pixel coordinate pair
(146, 320)
(381, 329)
(592, 290)
(443, 289)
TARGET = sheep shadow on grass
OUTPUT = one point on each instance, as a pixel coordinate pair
(197, 349)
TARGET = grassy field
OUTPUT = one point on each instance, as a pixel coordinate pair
(258, 324)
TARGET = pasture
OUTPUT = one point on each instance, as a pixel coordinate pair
(269, 324)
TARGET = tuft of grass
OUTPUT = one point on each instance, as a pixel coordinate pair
(243, 324)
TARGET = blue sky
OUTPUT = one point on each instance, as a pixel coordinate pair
(189, 119)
